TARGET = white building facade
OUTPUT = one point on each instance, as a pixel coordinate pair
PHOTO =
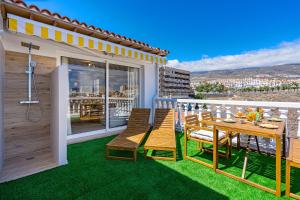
(86, 82)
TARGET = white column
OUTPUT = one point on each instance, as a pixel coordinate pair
(59, 119)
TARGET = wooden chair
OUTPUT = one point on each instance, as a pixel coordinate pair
(293, 160)
(162, 137)
(206, 116)
(203, 135)
(131, 138)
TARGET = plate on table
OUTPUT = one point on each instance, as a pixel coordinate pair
(229, 121)
(240, 116)
(270, 126)
(275, 119)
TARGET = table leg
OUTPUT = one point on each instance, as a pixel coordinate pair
(246, 157)
(215, 149)
(278, 166)
(257, 144)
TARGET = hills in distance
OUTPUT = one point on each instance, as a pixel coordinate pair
(277, 71)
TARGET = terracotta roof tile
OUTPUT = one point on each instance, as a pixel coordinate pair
(46, 12)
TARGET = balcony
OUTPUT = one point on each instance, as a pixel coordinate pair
(288, 111)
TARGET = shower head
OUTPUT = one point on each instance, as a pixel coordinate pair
(30, 45)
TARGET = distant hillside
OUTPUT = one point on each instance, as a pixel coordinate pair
(287, 70)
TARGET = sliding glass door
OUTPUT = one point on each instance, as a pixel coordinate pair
(123, 93)
(88, 97)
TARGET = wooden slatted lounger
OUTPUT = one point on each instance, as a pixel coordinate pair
(131, 138)
(162, 137)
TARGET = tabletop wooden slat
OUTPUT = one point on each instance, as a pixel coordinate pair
(249, 128)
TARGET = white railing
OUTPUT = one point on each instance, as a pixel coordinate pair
(119, 105)
(289, 111)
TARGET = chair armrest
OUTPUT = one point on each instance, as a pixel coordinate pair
(206, 129)
(191, 126)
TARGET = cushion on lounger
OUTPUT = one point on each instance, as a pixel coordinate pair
(207, 135)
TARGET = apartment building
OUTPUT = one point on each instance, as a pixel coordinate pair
(174, 82)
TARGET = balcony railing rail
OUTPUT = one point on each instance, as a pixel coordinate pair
(289, 111)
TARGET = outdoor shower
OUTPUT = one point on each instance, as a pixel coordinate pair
(31, 81)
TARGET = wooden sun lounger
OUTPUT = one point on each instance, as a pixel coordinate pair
(162, 138)
(131, 138)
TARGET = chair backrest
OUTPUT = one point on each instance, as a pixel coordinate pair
(164, 119)
(139, 118)
(294, 154)
(192, 120)
(206, 116)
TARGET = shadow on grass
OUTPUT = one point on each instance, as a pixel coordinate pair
(169, 154)
(261, 168)
(90, 176)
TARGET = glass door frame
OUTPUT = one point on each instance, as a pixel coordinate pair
(107, 129)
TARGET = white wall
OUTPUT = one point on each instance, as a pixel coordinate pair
(1, 92)
(59, 105)
(12, 41)
(2, 63)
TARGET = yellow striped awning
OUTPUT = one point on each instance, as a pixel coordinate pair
(45, 31)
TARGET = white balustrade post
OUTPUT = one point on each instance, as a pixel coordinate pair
(200, 110)
(283, 114)
(267, 140)
(160, 104)
(228, 112)
(193, 109)
(267, 112)
(208, 108)
(185, 110)
(165, 104)
(219, 113)
(172, 104)
(179, 121)
(239, 109)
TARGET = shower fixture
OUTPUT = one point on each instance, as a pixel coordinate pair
(30, 71)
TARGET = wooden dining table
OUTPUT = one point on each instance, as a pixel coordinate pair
(249, 128)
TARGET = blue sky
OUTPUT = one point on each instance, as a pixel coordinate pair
(192, 30)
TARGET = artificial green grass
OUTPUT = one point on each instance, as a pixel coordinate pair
(90, 176)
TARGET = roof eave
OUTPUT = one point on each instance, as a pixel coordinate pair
(58, 22)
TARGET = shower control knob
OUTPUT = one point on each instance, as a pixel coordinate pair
(32, 64)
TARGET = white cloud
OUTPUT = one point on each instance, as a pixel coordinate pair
(285, 53)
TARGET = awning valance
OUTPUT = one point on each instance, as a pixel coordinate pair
(45, 31)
